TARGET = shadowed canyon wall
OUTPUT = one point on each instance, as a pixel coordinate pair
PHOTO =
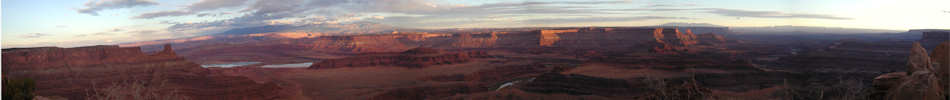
(77, 73)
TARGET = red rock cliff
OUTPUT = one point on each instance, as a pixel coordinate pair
(486, 40)
(75, 73)
(548, 37)
(358, 44)
(671, 39)
(41, 58)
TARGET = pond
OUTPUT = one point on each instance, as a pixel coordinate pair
(296, 65)
(229, 65)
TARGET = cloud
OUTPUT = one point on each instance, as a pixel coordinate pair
(162, 14)
(657, 9)
(660, 5)
(93, 7)
(212, 14)
(205, 5)
(770, 14)
(117, 30)
(195, 8)
(271, 12)
(98, 33)
(34, 35)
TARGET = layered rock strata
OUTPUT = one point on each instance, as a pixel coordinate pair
(78, 73)
(414, 58)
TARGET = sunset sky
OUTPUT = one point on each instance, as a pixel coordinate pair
(70, 23)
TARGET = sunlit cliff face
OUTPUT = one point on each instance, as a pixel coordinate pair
(475, 40)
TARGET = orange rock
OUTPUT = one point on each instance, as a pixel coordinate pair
(548, 37)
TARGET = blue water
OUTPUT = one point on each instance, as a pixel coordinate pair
(297, 65)
(229, 65)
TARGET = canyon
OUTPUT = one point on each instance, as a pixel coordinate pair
(555, 63)
(78, 73)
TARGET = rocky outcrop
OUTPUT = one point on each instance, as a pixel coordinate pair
(486, 40)
(44, 58)
(941, 60)
(921, 81)
(941, 55)
(671, 40)
(415, 58)
(918, 61)
(549, 37)
(357, 44)
(76, 73)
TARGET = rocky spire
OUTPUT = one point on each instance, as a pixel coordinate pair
(941, 56)
(941, 60)
(167, 50)
(922, 81)
(918, 61)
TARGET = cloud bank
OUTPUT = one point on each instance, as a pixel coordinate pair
(93, 7)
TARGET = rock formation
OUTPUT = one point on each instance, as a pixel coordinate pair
(415, 58)
(42, 58)
(671, 40)
(358, 44)
(74, 73)
(941, 60)
(921, 81)
(918, 61)
(486, 40)
(549, 37)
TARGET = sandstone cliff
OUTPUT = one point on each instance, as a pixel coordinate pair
(941, 62)
(357, 44)
(77, 73)
(486, 40)
(921, 81)
(549, 37)
(671, 40)
(43, 58)
(415, 58)
(918, 61)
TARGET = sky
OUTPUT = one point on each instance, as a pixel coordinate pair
(71, 23)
